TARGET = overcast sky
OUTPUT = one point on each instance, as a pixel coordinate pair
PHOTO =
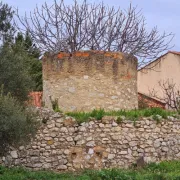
(164, 14)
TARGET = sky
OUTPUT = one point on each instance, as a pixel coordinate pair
(164, 14)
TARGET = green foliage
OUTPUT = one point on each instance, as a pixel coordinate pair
(131, 114)
(20, 68)
(97, 114)
(25, 43)
(14, 73)
(157, 111)
(80, 116)
(17, 125)
(83, 116)
(119, 120)
(162, 171)
(35, 72)
(6, 28)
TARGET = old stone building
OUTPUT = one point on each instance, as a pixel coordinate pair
(87, 80)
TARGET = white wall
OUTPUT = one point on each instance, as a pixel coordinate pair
(168, 67)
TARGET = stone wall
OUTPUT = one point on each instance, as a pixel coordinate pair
(61, 144)
(90, 80)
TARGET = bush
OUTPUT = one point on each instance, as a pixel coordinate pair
(17, 125)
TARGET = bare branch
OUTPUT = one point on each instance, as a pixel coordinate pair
(171, 94)
(70, 28)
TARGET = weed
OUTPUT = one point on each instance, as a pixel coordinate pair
(98, 114)
(156, 118)
(119, 120)
(55, 105)
(134, 122)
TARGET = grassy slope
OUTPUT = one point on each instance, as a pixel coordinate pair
(162, 171)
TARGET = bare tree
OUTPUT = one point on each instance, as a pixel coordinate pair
(171, 94)
(70, 28)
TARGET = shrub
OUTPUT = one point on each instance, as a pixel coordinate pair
(17, 125)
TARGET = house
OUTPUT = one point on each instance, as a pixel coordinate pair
(164, 69)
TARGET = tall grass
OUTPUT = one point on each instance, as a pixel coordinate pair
(131, 114)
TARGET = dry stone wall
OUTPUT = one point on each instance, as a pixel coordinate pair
(89, 80)
(63, 145)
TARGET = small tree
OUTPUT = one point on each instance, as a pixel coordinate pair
(17, 125)
(70, 28)
(14, 73)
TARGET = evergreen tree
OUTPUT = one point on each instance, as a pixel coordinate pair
(25, 43)
(6, 28)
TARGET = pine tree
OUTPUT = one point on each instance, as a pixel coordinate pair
(25, 44)
(6, 28)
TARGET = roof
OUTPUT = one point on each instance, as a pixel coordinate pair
(153, 98)
(173, 52)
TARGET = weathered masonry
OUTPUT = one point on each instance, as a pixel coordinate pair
(63, 145)
(88, 80)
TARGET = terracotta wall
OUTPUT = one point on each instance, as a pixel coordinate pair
(36, 99)
(150, 102)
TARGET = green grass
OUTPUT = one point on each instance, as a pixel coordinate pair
(131, 114)
(84, 116)
(162, 171)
